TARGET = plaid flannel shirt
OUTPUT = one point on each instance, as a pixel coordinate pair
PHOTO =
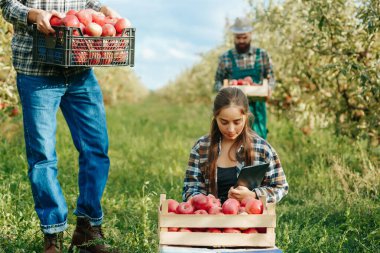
(16, 13)
(274, 186)
(244, 61)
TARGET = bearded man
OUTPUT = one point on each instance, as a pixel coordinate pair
(247, 61)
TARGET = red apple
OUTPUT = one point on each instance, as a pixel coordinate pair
(99, 18)
(240, 82)
(202, 202)
(80, 57)
(231, 230)
(231, 206)
(120, 56)
(71, 21)
(172, 205)
(250, 231)
(71, 12)
(108, 30)
(198, 229)
(184, 230)
(94, 58)
(215, 210)
(214, 230)
(170, 229)
(121, 24)
(93, 29)
(111, 21)
(84, 16)
(55, 21)
(185, 208)
(200, 211)
(245, 200)
(254, 206)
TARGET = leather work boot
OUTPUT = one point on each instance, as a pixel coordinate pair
(53, 243)
(88, 239)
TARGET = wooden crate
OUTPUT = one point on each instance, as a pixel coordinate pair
(264, 240)
(256, 92)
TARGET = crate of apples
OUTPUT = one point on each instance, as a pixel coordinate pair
(207, 222)
(251, 89)
(86, 38)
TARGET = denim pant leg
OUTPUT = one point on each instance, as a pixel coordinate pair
(40, 98)
(83, 109)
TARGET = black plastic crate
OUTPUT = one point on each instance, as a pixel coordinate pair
(69, 47)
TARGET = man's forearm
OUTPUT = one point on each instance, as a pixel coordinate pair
(32, 15)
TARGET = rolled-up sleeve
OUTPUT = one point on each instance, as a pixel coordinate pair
(194, 182)
(95, 5)
(274, 186)
(14, 12)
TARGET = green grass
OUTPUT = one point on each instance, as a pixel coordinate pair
(332, 206)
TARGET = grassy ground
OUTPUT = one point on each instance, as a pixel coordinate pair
(333, 203)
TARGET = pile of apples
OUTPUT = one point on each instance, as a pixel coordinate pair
(246, 81)
(92, 23)
(109, 48)
(209, 205)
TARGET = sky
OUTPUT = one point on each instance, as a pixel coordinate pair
(170, 34)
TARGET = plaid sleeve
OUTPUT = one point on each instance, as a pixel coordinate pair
(93, 4)
(14, 12)
(275, 186)
(194, 182)
(268, 70)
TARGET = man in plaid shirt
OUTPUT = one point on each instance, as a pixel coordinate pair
(43, 89)
(249, 63)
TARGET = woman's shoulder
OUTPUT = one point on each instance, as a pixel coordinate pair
(203, 141)
(262, 146)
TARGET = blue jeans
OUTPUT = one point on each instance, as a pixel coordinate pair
(81, 101)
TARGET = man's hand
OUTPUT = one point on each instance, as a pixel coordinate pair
(269, 94)
(108, 12)
(42, 19)
(240, 193)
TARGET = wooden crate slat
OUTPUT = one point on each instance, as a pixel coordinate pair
(217, 221)
(217, 239)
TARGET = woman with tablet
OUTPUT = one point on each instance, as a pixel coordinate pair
(217, 159)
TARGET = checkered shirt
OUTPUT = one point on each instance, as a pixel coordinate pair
(244, 61)
(16, 12)
(274, 186)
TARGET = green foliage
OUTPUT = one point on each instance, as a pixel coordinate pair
(326, 56)
(326, 60)
(8, 95)
(329, 207)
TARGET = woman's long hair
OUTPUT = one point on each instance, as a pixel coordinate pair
(228, 97)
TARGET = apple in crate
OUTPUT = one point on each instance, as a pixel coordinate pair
(201, 202)
(55, 21)
(71, 21)
(185, 208)
(84, 16)
(250, 231)
(254, 206)
(200, 211)
(214, 230)
(185, 230)
(172, 229)
(231, 206)
(231, 230)
(215, 210)
(94, 29)
(108, 30)
(121, 24)
(172, 205)
(99, 18)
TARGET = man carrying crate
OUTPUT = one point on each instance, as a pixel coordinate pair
(43, 89)
(250, 63)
